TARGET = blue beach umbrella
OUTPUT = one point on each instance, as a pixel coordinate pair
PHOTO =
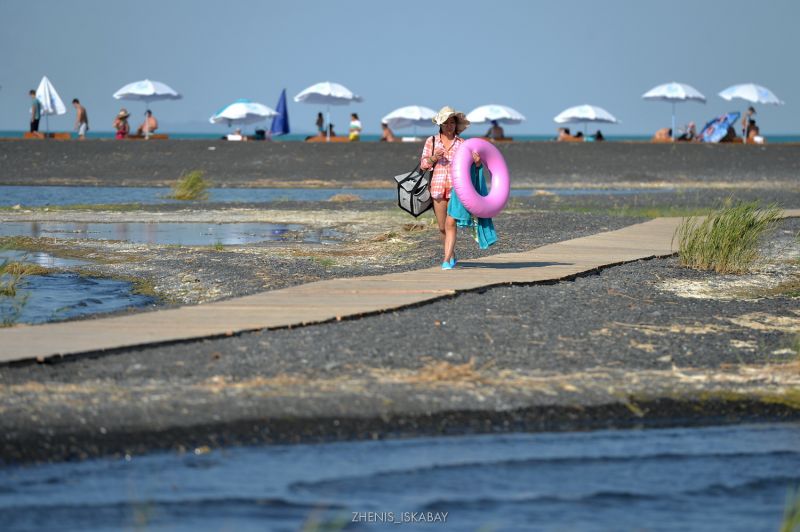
(716, 129)
(280, 123)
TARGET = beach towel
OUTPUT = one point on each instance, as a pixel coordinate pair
(482, 228)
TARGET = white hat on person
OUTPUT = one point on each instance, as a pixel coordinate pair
(446, 112)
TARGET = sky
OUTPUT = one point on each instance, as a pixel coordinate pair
(536, 56)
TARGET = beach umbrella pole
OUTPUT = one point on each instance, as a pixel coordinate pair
(673, 121)
(328, 124)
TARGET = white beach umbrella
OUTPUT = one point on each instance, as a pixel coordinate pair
(673, 93)
(242, 111)
(327, 93)
(410, 115)
(501, 113)
(50, 100)
(752, 93)
(147, 91)
(583, 114)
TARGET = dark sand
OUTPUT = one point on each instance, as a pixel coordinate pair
(235, 164)
(608, 349)
(537, 357)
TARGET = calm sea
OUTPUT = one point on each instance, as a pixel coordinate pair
(734, 478)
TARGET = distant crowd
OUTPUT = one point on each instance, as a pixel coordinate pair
(122, 128)
(751, 133)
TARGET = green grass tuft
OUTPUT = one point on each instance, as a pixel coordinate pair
(725, 241)
(791, 514)
(191, 186)
(11, 304)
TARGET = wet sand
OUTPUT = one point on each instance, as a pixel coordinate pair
(249, 164)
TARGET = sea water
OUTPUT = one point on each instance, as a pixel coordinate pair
(732, 478)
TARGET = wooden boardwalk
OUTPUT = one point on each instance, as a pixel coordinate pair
(339, 298)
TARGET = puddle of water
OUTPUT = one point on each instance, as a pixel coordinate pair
(43, 298)
(187, 234)
(39, 258)
(732, 478)
(40, 196)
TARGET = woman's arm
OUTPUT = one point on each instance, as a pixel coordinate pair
(427, 161)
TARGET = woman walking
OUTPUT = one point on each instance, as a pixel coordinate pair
(438, 153)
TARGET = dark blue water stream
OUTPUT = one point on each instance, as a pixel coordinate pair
(732, 478)
(61, 296)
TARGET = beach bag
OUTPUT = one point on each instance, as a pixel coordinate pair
(413, 192)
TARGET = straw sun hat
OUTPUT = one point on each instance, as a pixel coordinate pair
(446, 112)
(123, 113)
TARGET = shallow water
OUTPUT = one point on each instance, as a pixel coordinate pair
(43, 298)
(702, 479)
(40, 259)
(41, 196)
(187, 234)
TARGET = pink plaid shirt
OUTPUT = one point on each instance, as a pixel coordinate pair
(441, 183)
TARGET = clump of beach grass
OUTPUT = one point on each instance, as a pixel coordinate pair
(191, 186)
(725, 241)
(11, 304)
(791, 513)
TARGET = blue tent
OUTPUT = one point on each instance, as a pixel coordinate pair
(280, 124)
(717, 128)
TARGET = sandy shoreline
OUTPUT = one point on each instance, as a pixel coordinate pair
(280, 164)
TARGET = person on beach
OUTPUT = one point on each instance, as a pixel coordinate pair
(437, 154)
(121, 125)
(495, 132)
(663, 135)
(689, 134)
(387, 135)
(598, 136)
(36, 111)
(330, 131)
(746, 118)
(81, 119)
(150, 123)
(320, 125)
(754, 133)
(564, 135)
(355, 128)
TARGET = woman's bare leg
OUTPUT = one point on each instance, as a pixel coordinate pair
(450, 238)
(440, 210)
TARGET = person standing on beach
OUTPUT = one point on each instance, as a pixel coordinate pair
(438, 153)
(81, 119)
(748, 116)
(355, 128)
(36, 111)
(320, 125)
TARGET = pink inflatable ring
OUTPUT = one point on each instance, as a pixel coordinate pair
(490, 205)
